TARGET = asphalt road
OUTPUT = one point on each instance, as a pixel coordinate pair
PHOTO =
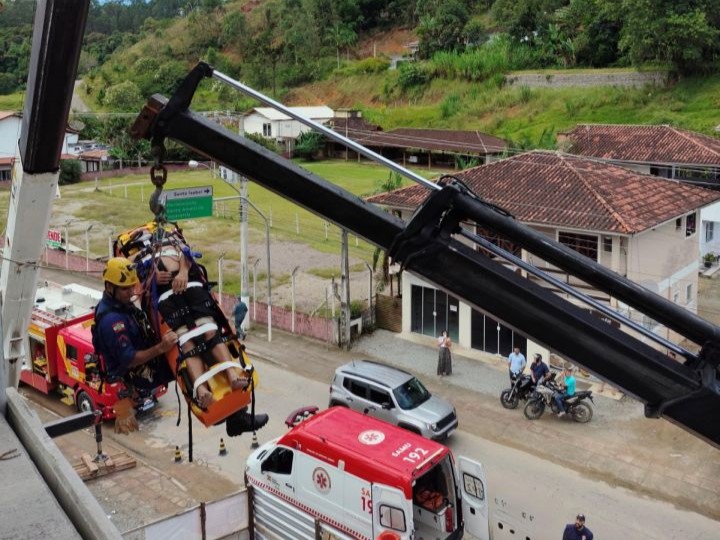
(536, 496)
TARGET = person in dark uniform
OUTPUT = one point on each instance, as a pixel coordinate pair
(577, 530)
(123, 336)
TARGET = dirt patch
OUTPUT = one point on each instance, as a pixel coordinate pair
(390, 43)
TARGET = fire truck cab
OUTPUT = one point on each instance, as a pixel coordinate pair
(61, 356)
(341, 474)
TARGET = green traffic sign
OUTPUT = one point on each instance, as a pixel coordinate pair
(188, 203)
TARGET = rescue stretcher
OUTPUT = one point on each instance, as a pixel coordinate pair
(145, 244)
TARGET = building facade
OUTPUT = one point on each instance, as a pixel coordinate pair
(662, 151)
(643, 229)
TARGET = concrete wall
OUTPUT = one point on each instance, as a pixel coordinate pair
(588, 78)
(710, 216)
(666, 261)
(9, 135)
(281, 129)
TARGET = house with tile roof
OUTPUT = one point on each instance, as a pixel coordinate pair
(661, 150)
(432, 147)
(273, 124)
(10, 123)
(641, 227)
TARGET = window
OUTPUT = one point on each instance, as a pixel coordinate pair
(5, 174)
(411, 394)
(690, 224)
(71, 353)
(392, 518)
(689, 293)
(498, 240)
(279, 462)
(267, 130)
(678, 224)
(355, 387)
(379, 396)
(473, 486)
(584, 244)
(709, 231)
(607, 244)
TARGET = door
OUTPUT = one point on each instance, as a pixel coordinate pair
(382, 404)
(391, 512)
(474, 498)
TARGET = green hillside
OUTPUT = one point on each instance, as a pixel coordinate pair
(338, 52)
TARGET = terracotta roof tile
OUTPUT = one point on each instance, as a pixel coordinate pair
(560, 190)
(645, 144)
(435, 139)
(94, 154)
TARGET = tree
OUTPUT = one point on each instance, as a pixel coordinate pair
(70, 171)
(308, 144)
(441, 28)
(342, 35)
(684, 34)
(8, 84)
(123, 97)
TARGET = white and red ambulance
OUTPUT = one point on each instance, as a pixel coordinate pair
(341, 475)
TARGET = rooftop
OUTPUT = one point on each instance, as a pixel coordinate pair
(320, 111)
(447, 140)
(551, 188)
(365, 445)
(645, 144)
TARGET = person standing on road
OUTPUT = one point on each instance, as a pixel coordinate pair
(444, 366)
(239, 314)
(516, 362)
(539, 369)
(577, 530)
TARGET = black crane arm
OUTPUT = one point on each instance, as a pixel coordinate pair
(686, 394)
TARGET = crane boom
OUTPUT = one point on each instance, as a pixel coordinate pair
(684, 393)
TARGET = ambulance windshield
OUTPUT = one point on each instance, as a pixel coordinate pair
(411, 394)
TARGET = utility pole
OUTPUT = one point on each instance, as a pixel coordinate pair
(244, 271)
(345, 290)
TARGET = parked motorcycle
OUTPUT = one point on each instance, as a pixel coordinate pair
(575, 406)
(521, 388)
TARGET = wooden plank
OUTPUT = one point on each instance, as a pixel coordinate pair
(88, 462)
(88, 469)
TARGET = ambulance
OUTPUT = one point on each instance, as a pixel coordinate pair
(342, 475)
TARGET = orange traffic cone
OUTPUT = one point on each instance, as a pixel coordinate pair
(178, 456)
(223, 450)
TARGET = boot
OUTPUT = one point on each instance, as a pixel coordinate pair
(125, 420)
(242, 422)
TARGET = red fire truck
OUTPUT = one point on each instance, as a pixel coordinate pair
(61, 356)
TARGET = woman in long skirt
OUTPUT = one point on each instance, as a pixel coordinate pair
(444, 357)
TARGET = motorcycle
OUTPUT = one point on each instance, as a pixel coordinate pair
(521, 388)
(575, 406)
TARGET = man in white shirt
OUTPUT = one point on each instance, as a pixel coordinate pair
(516, 362)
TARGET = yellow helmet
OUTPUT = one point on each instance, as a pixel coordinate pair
(120, 271)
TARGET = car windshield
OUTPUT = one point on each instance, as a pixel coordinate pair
(411, 394)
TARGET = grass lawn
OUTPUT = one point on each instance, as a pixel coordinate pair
(12, 102)
(122, 203)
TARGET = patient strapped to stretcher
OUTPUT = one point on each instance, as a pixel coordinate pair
(176, 286)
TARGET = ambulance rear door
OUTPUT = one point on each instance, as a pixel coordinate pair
(474, 498)
(391, 512)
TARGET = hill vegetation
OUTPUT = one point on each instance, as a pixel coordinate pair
(312, 51)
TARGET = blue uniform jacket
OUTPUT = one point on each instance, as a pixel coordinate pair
(119, 335)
